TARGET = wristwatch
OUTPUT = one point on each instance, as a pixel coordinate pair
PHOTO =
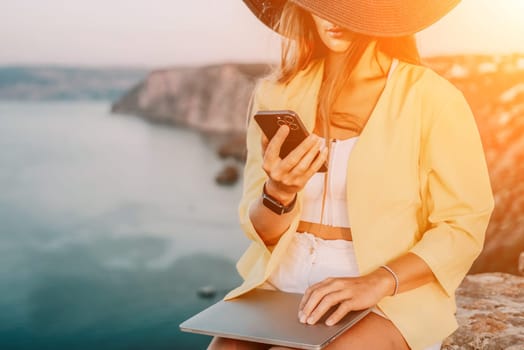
(275, 205)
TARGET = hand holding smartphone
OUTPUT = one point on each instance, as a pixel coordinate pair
(271, 121)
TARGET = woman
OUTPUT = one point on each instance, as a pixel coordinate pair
(401, 213)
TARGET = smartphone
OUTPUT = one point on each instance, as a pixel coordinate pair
(271, 121)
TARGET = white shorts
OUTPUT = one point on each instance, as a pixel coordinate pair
(310, 260)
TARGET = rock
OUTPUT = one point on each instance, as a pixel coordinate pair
(490, 312)
(227, 176)
(234, 147)
(207, 292)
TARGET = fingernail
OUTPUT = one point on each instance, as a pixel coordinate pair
(301, 316)
(329, 322)
(310, 320)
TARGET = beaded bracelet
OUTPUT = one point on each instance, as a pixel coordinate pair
(395, 277)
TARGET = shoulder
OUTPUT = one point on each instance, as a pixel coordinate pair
(433, 98)
(431, 88)
(446, 119)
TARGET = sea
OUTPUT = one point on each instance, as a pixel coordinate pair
(110, 229)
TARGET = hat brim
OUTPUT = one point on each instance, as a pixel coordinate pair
(383, 18)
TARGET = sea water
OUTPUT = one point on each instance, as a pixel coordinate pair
(109, 225)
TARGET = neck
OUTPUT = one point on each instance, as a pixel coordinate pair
(333, 62)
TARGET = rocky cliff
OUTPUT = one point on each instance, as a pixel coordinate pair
(215, 98)
(210, 99)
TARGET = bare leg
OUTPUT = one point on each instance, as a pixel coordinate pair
(372, 332)
(232, 344)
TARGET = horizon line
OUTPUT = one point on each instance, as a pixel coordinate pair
(117, 66)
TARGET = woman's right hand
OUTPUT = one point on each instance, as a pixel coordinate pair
(289, 175)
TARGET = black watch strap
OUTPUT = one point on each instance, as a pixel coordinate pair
(275, 205)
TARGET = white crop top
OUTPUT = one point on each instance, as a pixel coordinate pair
(335, 210)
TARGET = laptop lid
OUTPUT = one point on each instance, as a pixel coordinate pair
(270, 317)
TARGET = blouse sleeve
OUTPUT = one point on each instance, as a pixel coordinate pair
(458, 190)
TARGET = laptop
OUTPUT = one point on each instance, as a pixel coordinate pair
(270, 317)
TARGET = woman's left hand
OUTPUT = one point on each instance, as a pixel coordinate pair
(349, 293)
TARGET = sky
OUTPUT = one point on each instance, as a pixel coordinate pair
(157, 33)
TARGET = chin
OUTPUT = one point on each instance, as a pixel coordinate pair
(337, 46)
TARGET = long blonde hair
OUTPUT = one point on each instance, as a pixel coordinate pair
(301, 45)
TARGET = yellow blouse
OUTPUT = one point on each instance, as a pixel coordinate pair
(417, 182)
